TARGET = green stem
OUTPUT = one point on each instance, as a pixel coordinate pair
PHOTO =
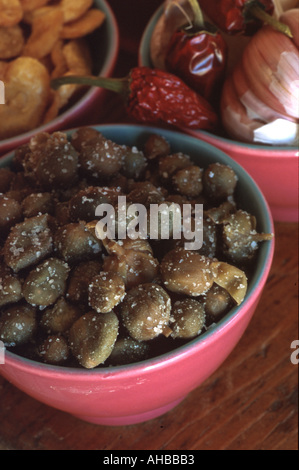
(257, 12)
(198, 16)
(118, 85)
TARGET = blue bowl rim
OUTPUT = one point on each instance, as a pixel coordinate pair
(144, 59)
(266, 254)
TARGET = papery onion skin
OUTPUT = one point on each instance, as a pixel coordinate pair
(291, 18)
(264, 87)
(270, 61)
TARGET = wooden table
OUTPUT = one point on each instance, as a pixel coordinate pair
(250, 403)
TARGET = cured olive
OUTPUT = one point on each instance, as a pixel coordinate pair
(10, 214)
(54, 350)
(187, 318)
(6, 178)
(79, 280)
(92, 338)
(17, 324)
(60, 317)
(10, 287)
(106, 291)
(134, 163)
(52, 161)
(217, 302)
(145, 311)
(133, 260)
(186, 272)
(128, 351)
(171, 164)
(100, 158)
(83, 205)
(46, 283)
(156, 146)
(188, 181)
(240, 238)
(219, 181)
(28, 243)
(38, 203)
(75, 243)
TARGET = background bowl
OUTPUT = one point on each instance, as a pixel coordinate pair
(142, 391)
(274, 168)
(104, 47)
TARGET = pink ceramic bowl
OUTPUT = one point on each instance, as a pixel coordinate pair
(142, 391)
(274, 168)
(105, 46)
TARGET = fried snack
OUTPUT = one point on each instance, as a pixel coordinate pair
(30, 5)
(45, 33)
(72, 11)
(11, 12)
(11, 42)
(27, 88)
(53, 32)
(88, 23)
(77, 56)
(75, 59)
(58, 60)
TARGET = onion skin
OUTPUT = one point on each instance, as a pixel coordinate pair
(264, 86)
(256, 109)
(234, 115)
(269, 63)
(291, 18)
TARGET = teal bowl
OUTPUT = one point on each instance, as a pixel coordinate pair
(274, 168)
(125, 395)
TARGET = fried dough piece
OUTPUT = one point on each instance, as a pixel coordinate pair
(11, 42)
(30, 5)
(11, 12)
(45, 33)
(92, 20)
(27, 88)
(74, 10)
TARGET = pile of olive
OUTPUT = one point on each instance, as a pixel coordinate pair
(69, 298)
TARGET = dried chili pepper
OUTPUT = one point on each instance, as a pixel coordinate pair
(197, 53)
(242, 16)
(154, 96)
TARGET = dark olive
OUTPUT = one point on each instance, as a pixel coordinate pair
(145, 311)
(92, 338)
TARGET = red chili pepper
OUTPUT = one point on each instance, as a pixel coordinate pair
(197, 53)
(241, 16)
(154, 96)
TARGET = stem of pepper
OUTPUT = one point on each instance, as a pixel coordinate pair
(118, 85)
(257, 12)
(198, 16)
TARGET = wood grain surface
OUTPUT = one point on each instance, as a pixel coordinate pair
(250, 403)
